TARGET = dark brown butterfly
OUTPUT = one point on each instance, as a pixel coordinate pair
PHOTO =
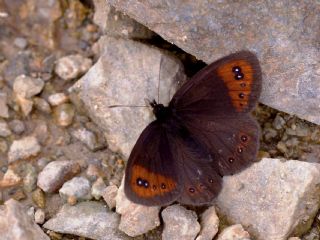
(206, 132)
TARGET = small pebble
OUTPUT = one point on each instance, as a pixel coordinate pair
(281, 146)
(57, 99)
(72, 200)
(39, 198)
(20, 42)
(4, 129)
(88, 138)
(4, 110)
(209, 224)
(42, 105)
(72, 66)
(64, 114)
(27, 87)
(25, 105)
(19, 195)
(234, 232)
(30, 212)
(23, 149)
(179, 223)
(39, 216)
(278, 122)
(93, 172)
(3, 146)
(109, 196)
(10, 179)
(17, 126)
(78, 187)
(98, 188)
(52, 177)
(30, 180)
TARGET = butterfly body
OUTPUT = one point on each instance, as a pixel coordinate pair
(204, 133)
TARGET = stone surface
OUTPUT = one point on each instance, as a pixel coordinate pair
(24, 148)
(138, 67)
(117, 24)
(51, 178)
(179, 223)
(236, 232)
(283, 32)
(209, 224)
(135, 219)
(4, 110)
(109, 196)
(4, 129)
(272, 199)
(27, 87)
(78, 187)
(87, 219)
(15, 224)
(72, 66)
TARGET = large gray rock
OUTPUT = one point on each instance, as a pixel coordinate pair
(126, 74)
(87, 219)
(284, 34)
(15, 224)
(272, 199)
(115, 23)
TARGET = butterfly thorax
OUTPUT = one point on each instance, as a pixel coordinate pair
(161, 112)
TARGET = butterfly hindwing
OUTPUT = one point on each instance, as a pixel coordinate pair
(200, 182)
(151, 175)
(233, 143)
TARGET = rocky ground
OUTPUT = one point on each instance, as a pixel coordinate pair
(63, 151)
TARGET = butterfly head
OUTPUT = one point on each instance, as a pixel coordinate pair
(161, 112)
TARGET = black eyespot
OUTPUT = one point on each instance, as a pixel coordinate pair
(210, 180)
(146, 184)
(163, 186)
(244, 138)
(231, 159)
(154, 187)
(236, 69)
(140, 182)
(238, 76)
(239, 149)
(191, 190)
(241, 95)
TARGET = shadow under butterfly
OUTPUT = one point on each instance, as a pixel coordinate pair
(205, 133)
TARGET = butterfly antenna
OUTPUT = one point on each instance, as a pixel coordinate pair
(159, 77)
(114, 106)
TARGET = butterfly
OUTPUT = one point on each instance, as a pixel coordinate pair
(205, 133)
